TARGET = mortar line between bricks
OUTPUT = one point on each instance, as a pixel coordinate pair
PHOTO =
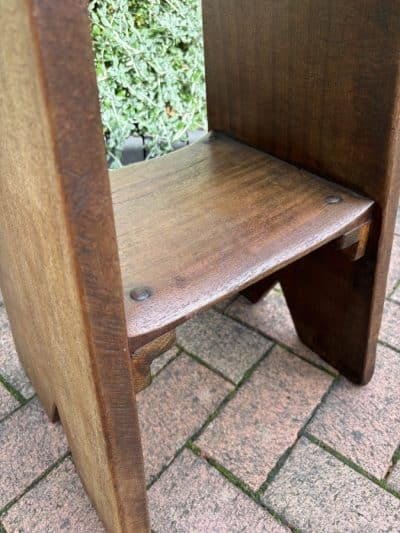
(12, 390)
(395, 459)
(225, 400)
(21, 406)
(206, 365)
(241, 485)
(278, 343)
(391, 300)
(387, 345)
(178, 353)
(351, 464)
(37, 480)
(282, 458)
(396, 286)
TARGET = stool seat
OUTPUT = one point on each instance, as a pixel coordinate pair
(200, 224)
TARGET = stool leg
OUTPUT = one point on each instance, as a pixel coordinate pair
(259, 290)
(336, 305)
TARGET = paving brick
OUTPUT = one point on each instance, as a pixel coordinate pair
(176, 405)
(10, 367)
(272, 317)
(7, 402)
(258, 425)
(316, 492)
(397, 230)
(363, 423)
(223, 343)
(225, 303)
(390, 330)
(394, 270)
(29, 444)
(191, 496)
(394, 478)
(159, 363)
(396, 295)
(57, 503)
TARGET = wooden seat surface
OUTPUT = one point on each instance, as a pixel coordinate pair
(202, 223)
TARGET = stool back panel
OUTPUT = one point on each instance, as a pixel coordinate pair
(312, 82)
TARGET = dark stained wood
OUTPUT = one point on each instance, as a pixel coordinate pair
(200, 224)
(316, 84)
(354, 242)
(313, 83)
(255, 292)
(144, 356)
(59, 269)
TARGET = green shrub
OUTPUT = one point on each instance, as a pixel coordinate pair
(150, 71)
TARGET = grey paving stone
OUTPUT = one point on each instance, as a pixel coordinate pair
(29, 444)
(223, 343)
(192, 497)
(363, 423)
(10, 367)
(258, 425)
(176, 405)
(316, 492)
(57, 503)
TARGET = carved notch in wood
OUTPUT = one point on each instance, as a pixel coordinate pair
(354, 242)
(144, 356)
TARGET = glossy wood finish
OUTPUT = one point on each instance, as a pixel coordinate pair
(205, 222)
(316, 83)
(59, 269)
(311, 82)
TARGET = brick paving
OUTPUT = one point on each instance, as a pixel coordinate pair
(245, 430)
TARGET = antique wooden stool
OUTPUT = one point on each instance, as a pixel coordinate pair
(297, 182)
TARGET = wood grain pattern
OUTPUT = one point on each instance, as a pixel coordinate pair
(316, 84)
(144, 356)
(205, 222)
(59, 269)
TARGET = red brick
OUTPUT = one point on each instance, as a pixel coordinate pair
(223, 343)
(7, 402)
(363, 423)
(271, 316)
(316, 492)
(57, 503)
(10, 367)
(394, 270)
(29, 444)
(258, 425)
(191, 496)
(178, 402)
(390, 329)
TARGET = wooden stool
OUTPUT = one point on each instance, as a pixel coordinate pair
(297, 182)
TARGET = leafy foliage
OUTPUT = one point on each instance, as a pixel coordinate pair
(150, 70)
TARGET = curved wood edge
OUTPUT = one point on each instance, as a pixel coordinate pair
(144, 356)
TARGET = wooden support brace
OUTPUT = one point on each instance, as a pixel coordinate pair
(144, 356)
(354, 242)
